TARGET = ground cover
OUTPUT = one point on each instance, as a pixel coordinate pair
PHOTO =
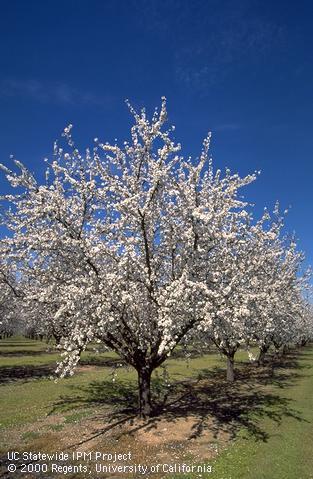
(259, 427)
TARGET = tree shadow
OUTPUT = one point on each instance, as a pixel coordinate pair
(219, 406)
(209, 400)
(21, 352)
(10, 374)
(108, 362)
(28, 372)
(119, 395)
(192, 353)
(279, 373)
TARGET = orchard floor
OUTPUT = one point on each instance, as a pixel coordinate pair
(260, 427)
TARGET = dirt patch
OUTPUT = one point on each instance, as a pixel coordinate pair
(159, 440)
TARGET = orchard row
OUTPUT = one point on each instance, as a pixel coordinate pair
(139, 249)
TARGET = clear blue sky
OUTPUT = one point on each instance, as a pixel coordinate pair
(243, 70)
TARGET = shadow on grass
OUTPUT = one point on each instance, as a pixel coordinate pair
(102, 361)
(28, 352)
(22, 344)
(214, 404)
(120, 395)
(192, 353)
(10, 374)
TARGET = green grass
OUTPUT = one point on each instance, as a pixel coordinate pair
(273, 415)
(25, 398)
(75, 417)
(287, 450)
(57, 427)
(30, 435)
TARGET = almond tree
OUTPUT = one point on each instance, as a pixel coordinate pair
(278, 308)
(305, 323)
(256, 293)
(119, 242)
(10, 318)
(228, 325)
(237, 264)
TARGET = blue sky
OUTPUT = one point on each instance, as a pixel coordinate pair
(243, 70)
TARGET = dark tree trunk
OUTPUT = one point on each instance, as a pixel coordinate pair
(262, 353)
(144, 382)
(57, 338)
(277, 349)
(230, 375)
(285, 349)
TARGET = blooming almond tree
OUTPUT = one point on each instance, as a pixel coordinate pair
(228, 326)
(237, 263)
(256, 295)
(278, 308)
(305, 324)
(10, 318)
(118, 243)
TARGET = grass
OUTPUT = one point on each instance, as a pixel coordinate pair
(268, 412)
(27, 392)
(287, 450)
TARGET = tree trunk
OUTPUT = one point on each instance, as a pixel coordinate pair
(144, 382)
(263, 351)
(230, 376)
(57, 338)
(285, 349)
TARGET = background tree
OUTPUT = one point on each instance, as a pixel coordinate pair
(279, 287)
(10, 315)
